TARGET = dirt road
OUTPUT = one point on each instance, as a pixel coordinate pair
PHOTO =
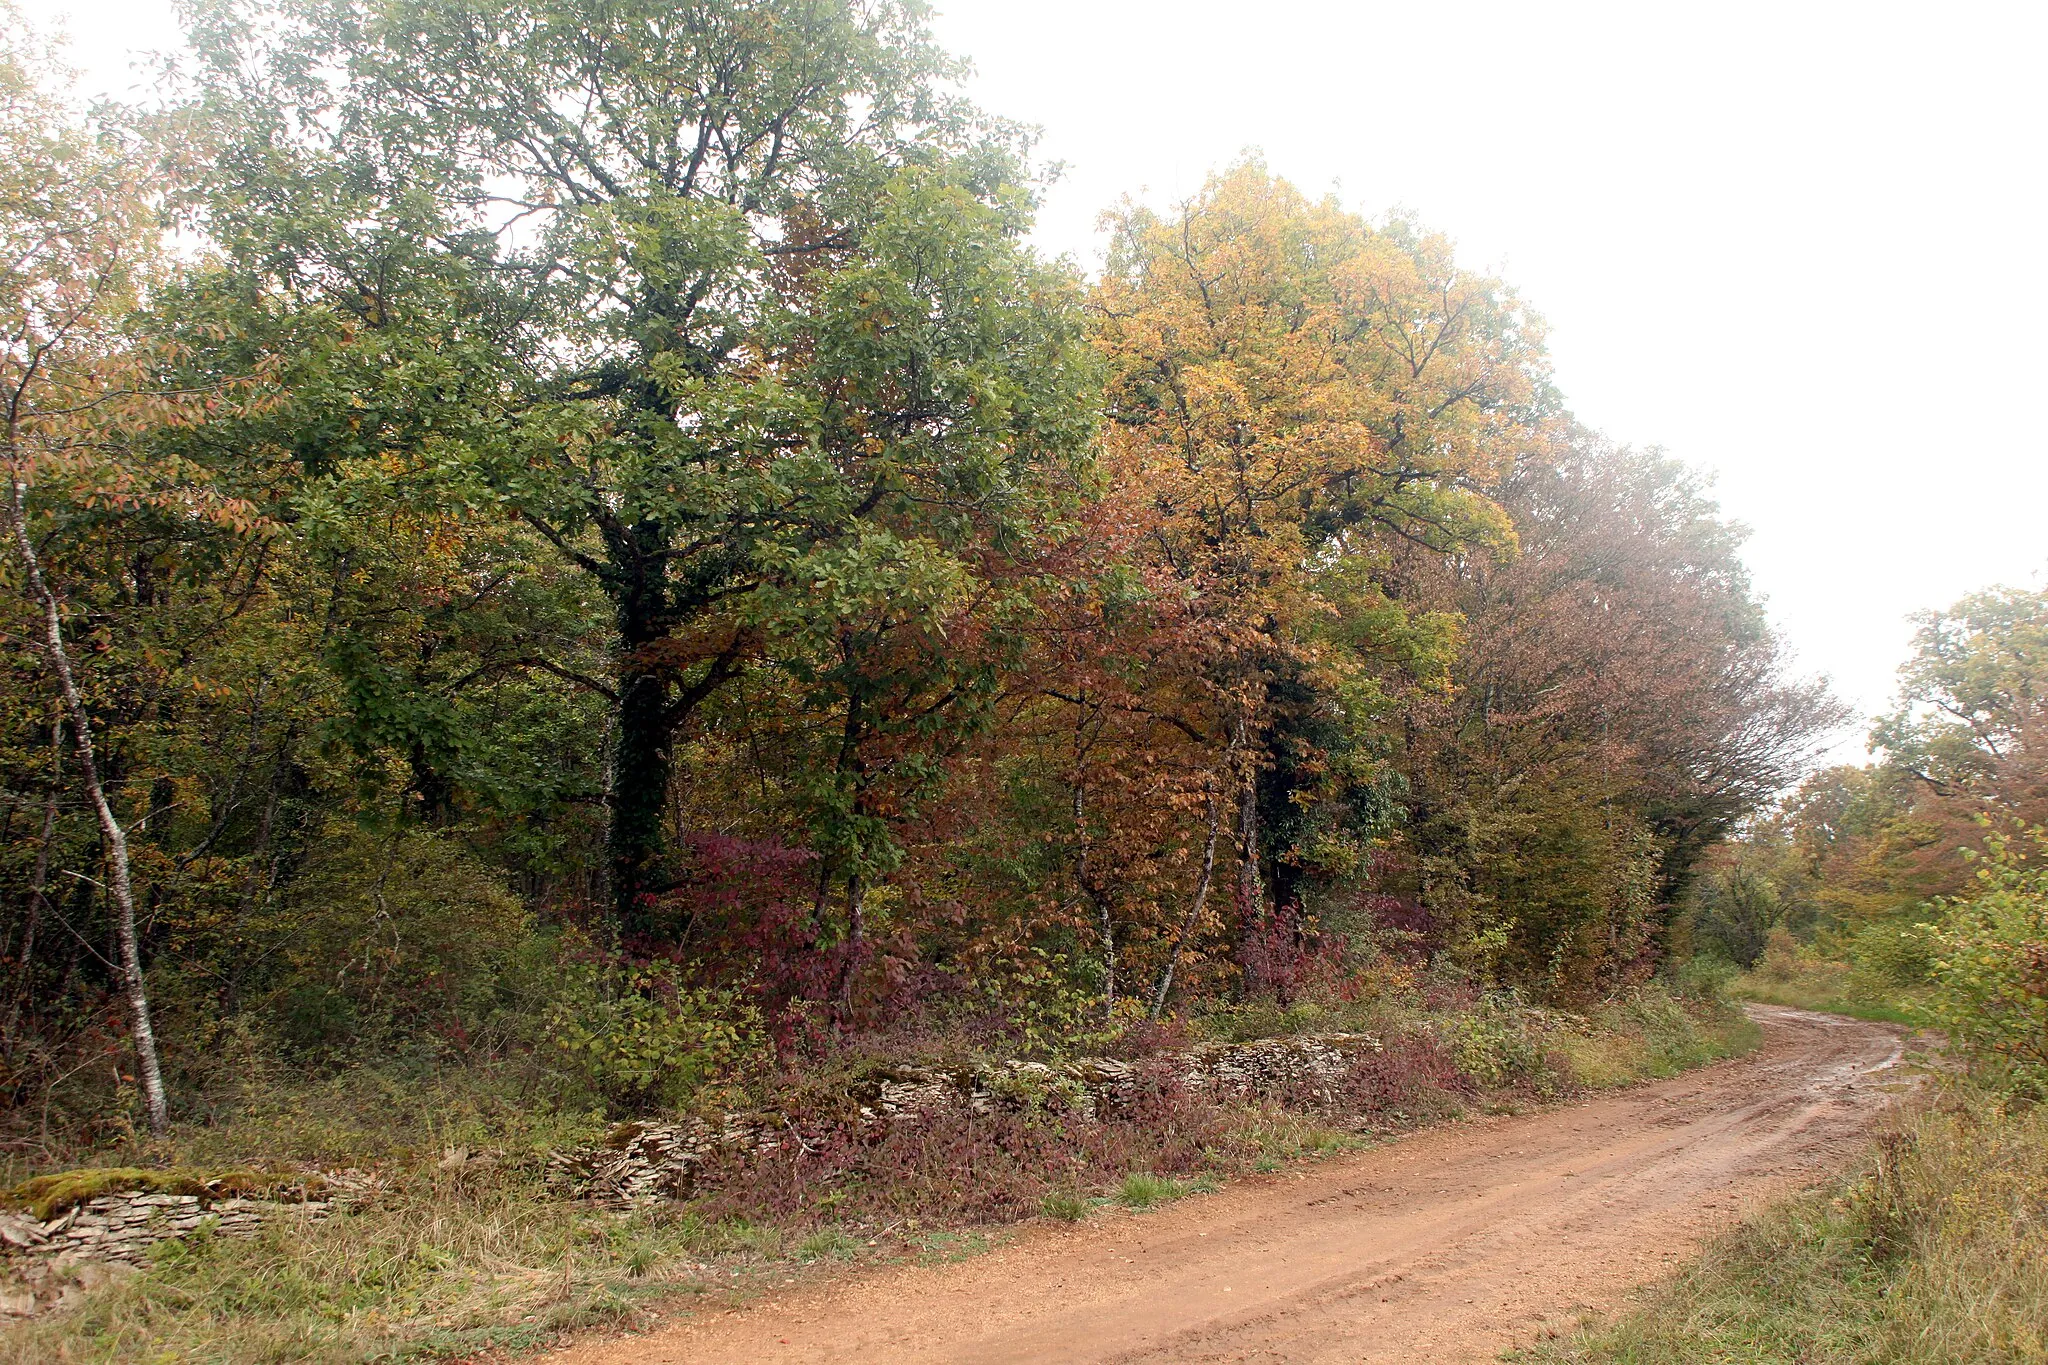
(1449, 1245)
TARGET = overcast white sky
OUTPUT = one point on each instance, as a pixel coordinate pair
(1799, 244)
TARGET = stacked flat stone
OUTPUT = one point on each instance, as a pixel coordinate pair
(643, 1161)
(19, 1232)
(124, 1227)
(1304, 1070)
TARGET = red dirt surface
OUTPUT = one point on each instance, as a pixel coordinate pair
(1448, 1246)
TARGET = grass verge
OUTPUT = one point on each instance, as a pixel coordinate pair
(451, 1262)
(1828, 988)
(1936, 1253)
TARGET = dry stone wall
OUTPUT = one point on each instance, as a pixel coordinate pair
(123, 1227)
(641, 1161)
(50, 1263)
(46, 1261)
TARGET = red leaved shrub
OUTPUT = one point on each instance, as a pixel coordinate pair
(1414, 1076)
(959, 1166)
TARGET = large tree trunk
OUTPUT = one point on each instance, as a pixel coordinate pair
(856, 947)
(1251, 886)
(653, 700)
(120, 887)
(636, 849)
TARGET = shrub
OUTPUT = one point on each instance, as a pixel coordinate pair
(1735, 912)
(1414, 1076)
(1702, 976)
(638, 1037)
(1781, 959)
(1895, 955)
(393, 937)
(1991, 976)
(1266, 1017)
(964, 1166)
(1501, 1041)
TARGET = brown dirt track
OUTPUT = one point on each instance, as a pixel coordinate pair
(1450, 1245)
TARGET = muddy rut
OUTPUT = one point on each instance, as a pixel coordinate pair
(1449, 1245)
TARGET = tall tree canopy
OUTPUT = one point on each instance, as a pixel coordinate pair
(604, 536)
(725, 302)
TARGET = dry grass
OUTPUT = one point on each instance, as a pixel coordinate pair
(441, 1266)
(1935, 1254)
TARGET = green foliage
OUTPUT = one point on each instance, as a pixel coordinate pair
(657, 422)
(395, 937)
(1500, 1041)
(1991, 976)
(1676, 1033)
(1896, 957)
(1970, 692)
(795, 403)
(1266, 1017)
(637, 1035)
(1701, 977)
(653, 421)
(1550, 893)
(1734, 912)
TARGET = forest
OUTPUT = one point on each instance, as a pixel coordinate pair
(569, 510)
(625, 526)
(574, 549)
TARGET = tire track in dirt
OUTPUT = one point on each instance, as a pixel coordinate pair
(1447, 1246)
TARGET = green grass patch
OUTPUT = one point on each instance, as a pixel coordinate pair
(946, 1246)
(1880, 974)
(1807, 982)
(1065, 1206)
(827, 1243)
(1144, 1190)
(1798, 996)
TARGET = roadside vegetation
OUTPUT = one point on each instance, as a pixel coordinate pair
(1935, 1253)
(453, 1256)
(1913, 890)
(566, 562)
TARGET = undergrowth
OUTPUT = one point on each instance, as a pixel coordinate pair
(464, 1250)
